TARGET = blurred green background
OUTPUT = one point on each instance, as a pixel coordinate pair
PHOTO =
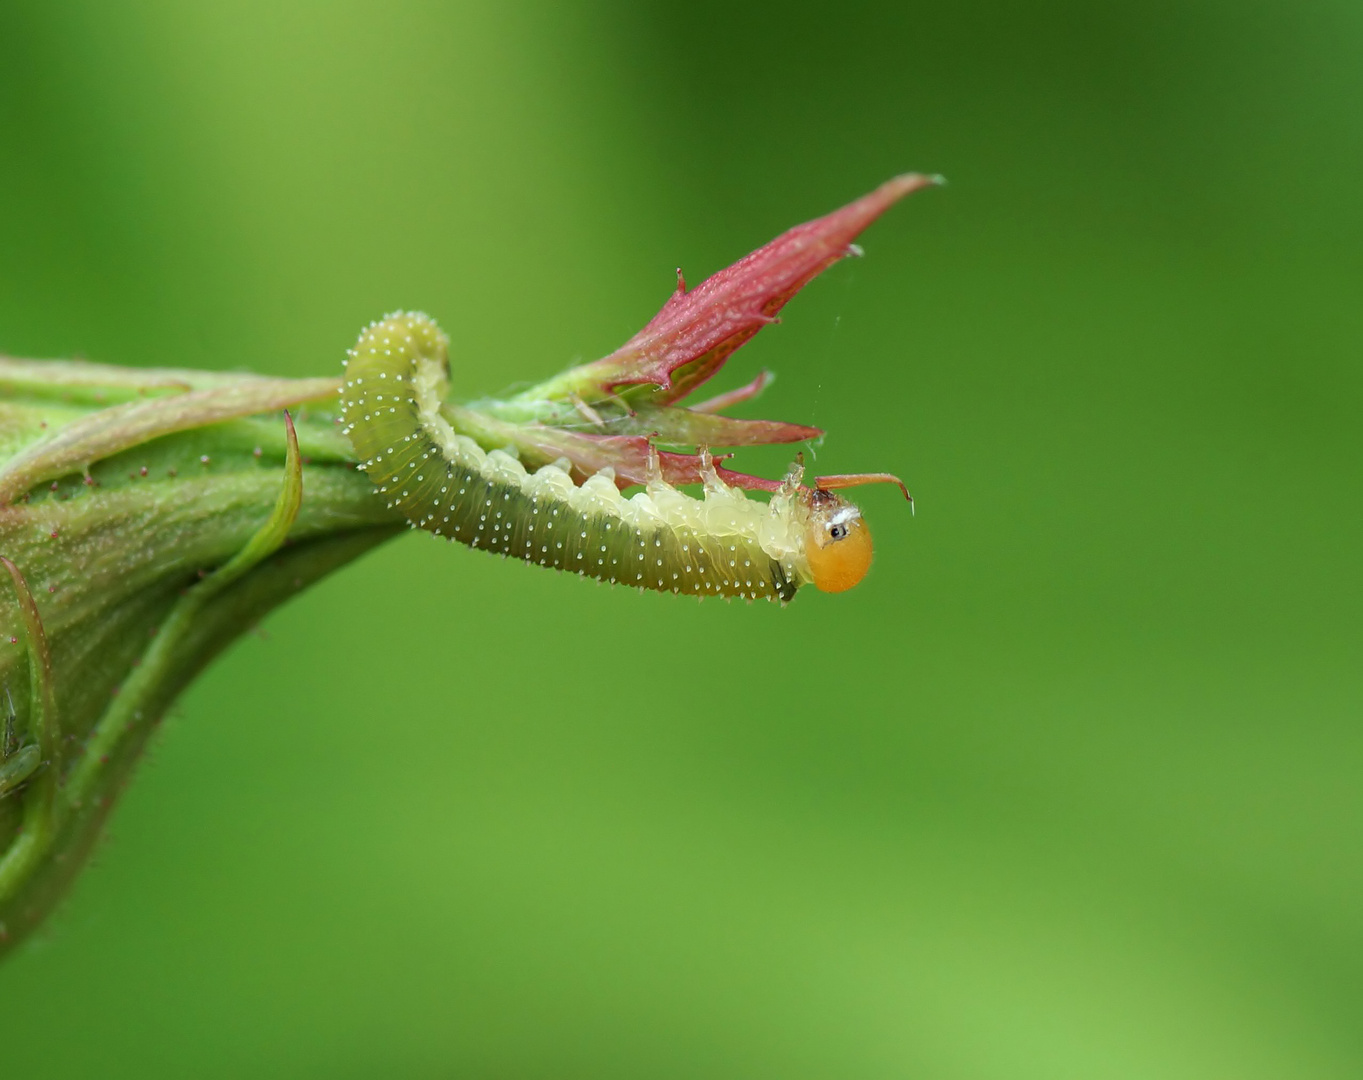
(1069, 788)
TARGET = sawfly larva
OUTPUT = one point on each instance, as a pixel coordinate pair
(723, 544)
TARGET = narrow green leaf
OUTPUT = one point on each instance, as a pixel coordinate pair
(108, 431)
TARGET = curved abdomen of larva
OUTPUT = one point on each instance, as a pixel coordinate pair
(443, 483)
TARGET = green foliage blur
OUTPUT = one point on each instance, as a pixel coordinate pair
(1072, 786)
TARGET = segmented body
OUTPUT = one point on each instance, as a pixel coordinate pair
(724, 544)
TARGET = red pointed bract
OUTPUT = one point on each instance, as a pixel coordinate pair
(701, 328)
(720, 402)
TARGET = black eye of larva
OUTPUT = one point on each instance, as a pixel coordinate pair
(838, 531)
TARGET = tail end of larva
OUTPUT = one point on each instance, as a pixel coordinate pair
(396, 374)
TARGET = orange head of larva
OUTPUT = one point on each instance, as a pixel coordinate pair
(837, 543)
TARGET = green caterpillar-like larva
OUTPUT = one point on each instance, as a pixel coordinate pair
(724, 544)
